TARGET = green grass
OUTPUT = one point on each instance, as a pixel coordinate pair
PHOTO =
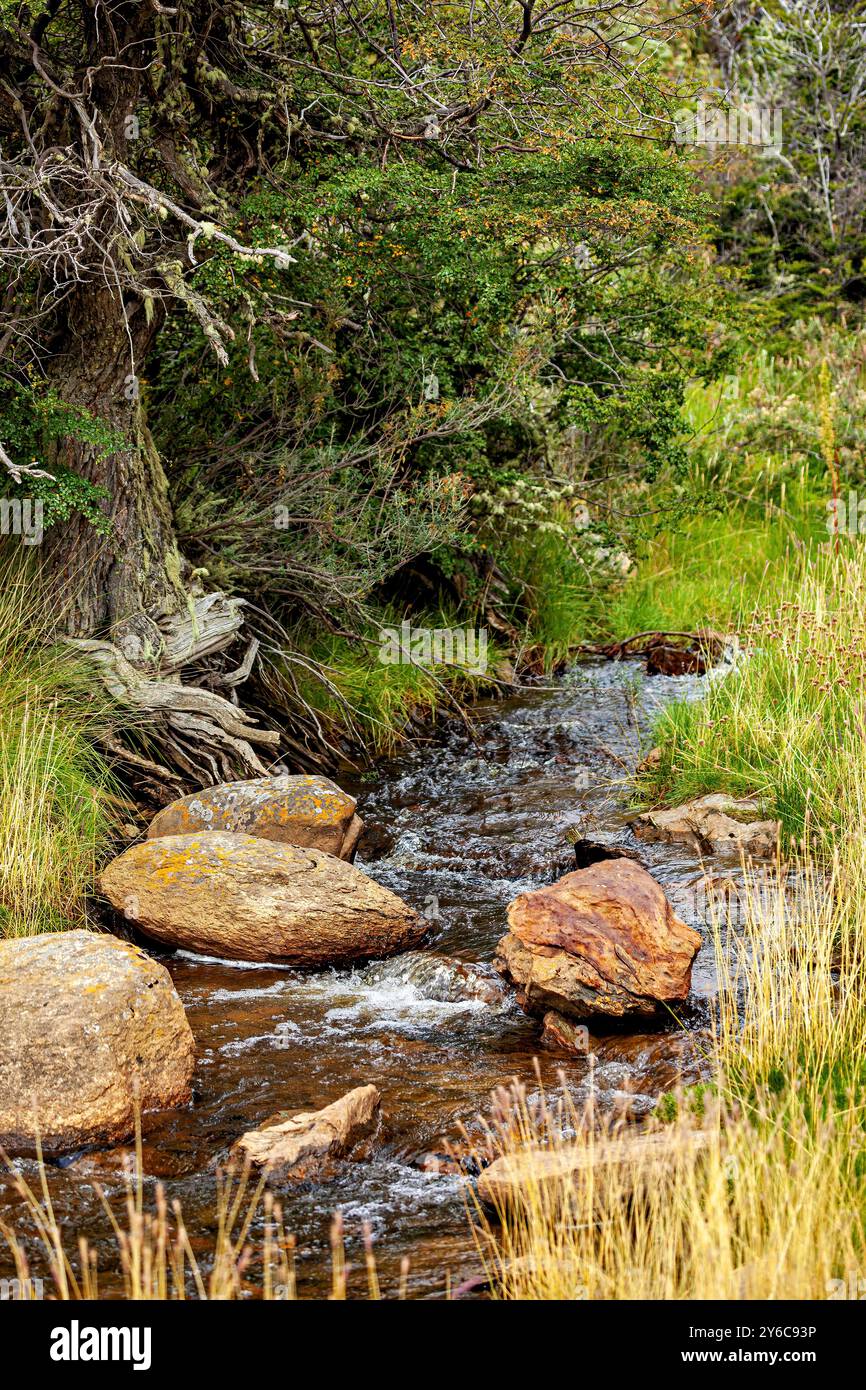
(54, 814)
(561, 596)
(353, 692)
(724, 540)
(711, 572)
(788, 723)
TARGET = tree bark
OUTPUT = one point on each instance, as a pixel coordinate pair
(119, 584)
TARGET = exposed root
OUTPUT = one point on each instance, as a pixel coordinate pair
(195, 732)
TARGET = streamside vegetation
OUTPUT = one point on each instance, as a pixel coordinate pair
(322, 319)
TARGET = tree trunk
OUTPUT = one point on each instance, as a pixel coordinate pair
(120, 583)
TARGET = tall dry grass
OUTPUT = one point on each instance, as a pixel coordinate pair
(250, 1255)
(766, 1209)
(771, 1205)
(155, 1258)
(54, 812)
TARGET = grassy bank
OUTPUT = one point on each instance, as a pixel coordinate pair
(773, 1205)
(54, 815)
(377, 703)
(788, 725)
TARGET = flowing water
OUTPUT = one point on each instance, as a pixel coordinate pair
(457, 828)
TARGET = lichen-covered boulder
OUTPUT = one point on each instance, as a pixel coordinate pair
(90, 1027)
(306, 1144)
(603, 940)
(243, 898)
(308, 811)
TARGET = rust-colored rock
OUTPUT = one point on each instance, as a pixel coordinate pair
(243, 898)
(307, 1144)
(311, 812)
(602, 940)
(713, 824)
(564, 1034)
(85, 1021)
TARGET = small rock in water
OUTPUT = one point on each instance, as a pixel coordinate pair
(447, 1165)
(308, 1144)
(441, 978)
(712, 824)
(603, 940)
(588, 851)
(566, 1036)
(658, 1062)
(309, 811)
(666, 658)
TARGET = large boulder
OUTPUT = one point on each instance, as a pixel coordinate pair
(307, 1144)
(244, 898)
(308, 811)
(713, 824)
(602, 940)
(90, 1027)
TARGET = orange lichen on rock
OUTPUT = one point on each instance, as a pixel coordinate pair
(308, 811)
(90, 1029)
(246, 898)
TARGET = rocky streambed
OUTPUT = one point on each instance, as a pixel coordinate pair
(458, 829)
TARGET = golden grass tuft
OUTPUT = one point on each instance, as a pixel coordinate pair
(54, 812)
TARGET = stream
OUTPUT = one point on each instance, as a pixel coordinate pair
(457, 827)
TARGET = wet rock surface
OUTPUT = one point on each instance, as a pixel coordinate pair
(603, 940)
(442, 979)
(712, 825)
(308, 1145)
(563, 1033)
